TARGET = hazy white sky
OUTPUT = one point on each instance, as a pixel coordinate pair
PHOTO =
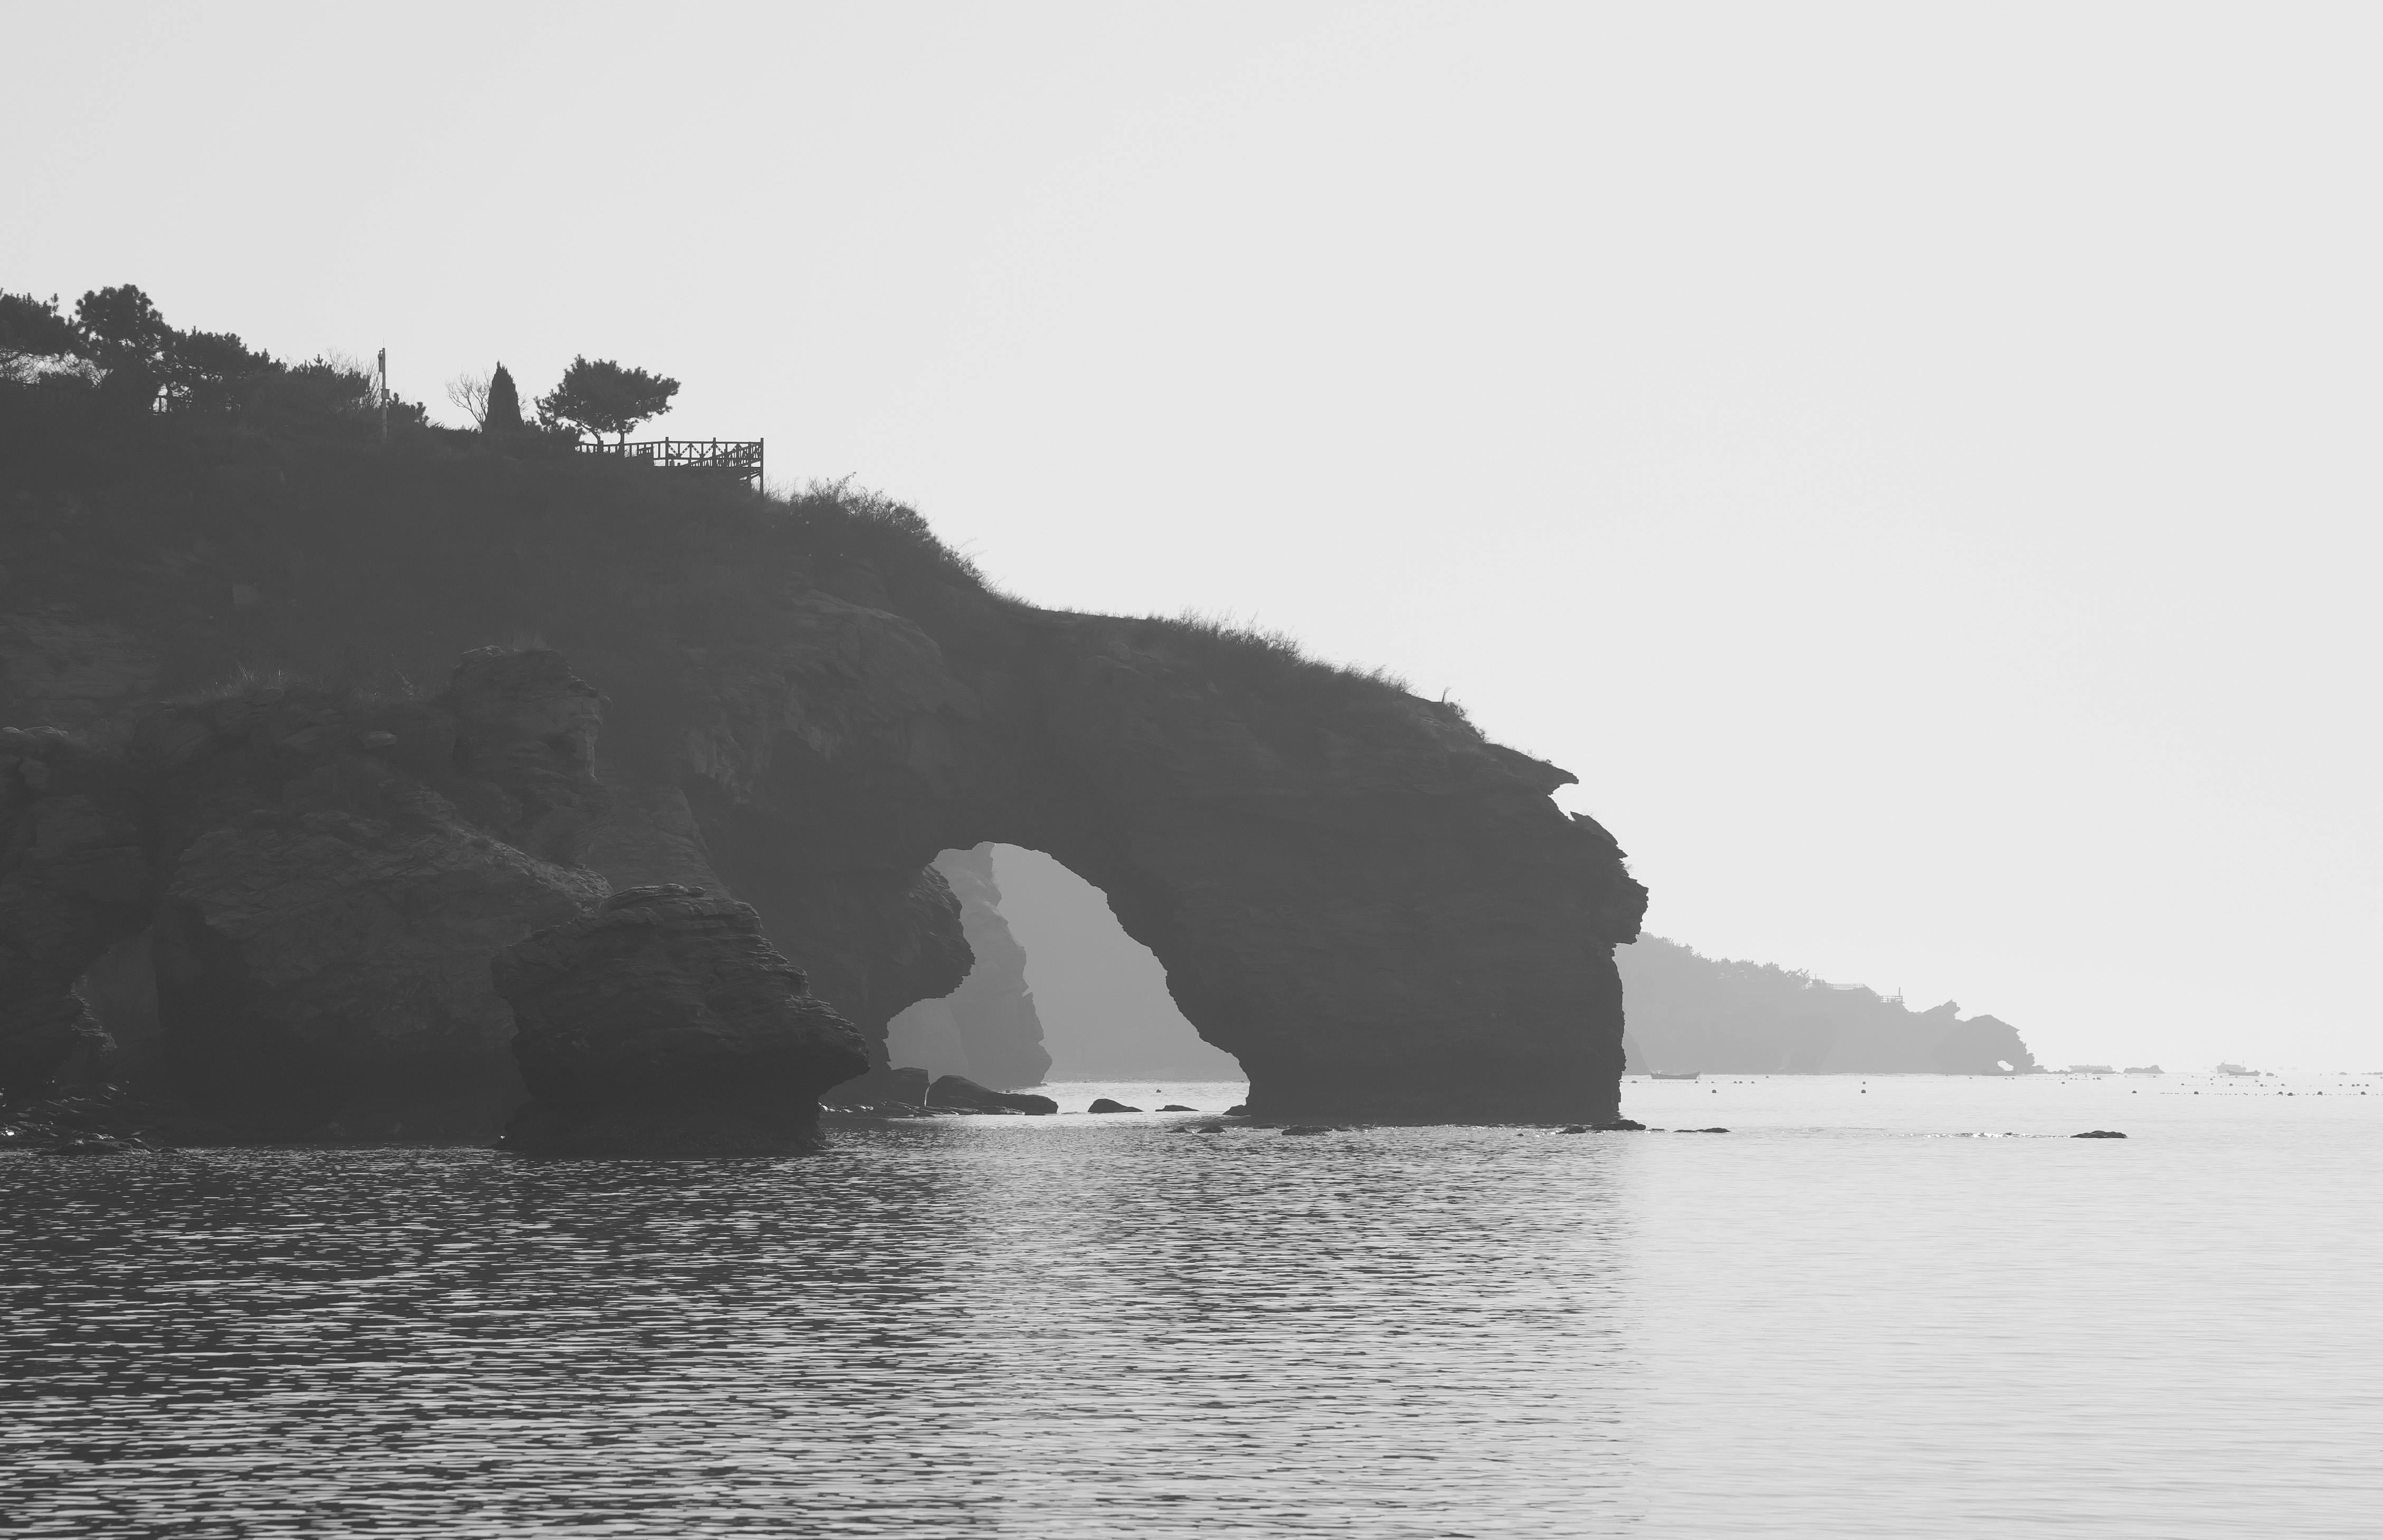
(1917, 464)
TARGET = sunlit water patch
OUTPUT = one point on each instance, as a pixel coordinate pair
(1836, 1321)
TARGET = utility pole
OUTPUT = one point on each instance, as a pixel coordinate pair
(382, 390)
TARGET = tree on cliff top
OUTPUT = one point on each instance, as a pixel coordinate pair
(120, 328)
(503, 411)
(601, 397)
(123, 327)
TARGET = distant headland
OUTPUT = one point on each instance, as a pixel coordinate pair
(1688, 1011)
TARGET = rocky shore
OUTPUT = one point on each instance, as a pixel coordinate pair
(248, 863)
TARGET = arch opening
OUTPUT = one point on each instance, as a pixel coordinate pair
(1059, 992)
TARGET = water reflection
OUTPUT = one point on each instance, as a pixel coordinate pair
(996, 1326)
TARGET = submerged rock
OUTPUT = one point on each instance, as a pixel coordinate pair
(958, 1090)
(666, 1025)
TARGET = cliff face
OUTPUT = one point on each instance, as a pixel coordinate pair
(1688, 1011)
(315, 880)
(1381, 912)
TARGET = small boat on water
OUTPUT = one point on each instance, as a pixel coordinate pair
(1683, 1075)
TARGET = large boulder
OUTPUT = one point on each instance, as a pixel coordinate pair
(327, 974)
(666, 1025)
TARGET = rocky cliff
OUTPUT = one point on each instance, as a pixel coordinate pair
(316, 879)
(1378, 910)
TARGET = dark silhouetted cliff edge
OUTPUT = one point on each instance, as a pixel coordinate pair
(794, 704)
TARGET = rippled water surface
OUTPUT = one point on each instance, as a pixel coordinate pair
(1850, 1316)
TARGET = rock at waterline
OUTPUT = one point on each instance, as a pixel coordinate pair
(1103, 1105)
(1305, 1129)
(960, 1091)
(1621, 1126)
(1239, 1109)
(2099, 1133)
(1176, 1106)
(665, 1024)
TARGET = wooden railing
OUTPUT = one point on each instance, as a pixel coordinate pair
(740, 458)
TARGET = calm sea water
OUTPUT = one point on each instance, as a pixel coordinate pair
(1857, 1314)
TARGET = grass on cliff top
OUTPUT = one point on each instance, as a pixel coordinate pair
(1267, 661)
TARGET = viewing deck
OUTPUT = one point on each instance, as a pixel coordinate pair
(740, 458)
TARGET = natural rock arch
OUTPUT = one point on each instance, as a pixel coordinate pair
(1380, 913)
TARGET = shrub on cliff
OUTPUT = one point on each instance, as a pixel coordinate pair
(33, 334)
(206, 371)
(837, 523)
(323, 389)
